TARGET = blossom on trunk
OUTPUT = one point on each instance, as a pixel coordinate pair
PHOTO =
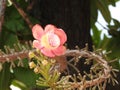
(50, 40)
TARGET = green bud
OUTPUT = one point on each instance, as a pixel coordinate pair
(1, 66)
(37, 69)
(32, 65)
(31, 55)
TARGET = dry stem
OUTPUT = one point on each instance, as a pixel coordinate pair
(92, 56)
(13, 57)
(87, 54)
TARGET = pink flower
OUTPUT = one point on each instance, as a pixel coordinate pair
(49, 41)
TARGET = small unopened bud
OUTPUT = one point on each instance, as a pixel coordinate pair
(32, 65)
(36, 69)
(53, 61)
(44, 62)
(31, 55)
(37, 50)
(1, 66)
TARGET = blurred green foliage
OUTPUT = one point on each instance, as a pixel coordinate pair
(15, 30)
(107, 44)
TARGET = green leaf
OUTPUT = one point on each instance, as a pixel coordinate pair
(26, 76)
(7, 38)
(114, 30)
(104, 42)
(13, 20)
(94, 12)
(5, 77)
(112, 44)
(117, 23)
(111, 2)
(103, 7)
(96, 36)
(19, 85)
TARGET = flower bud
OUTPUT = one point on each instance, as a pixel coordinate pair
(1, 66)
(32, 65)
(53, 61)
(31, 55)
(36, 69)
(44, 62)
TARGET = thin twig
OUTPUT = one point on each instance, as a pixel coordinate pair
(22, 13)
(31, 4)
(87, 54)
(13, 57)
(97, 58)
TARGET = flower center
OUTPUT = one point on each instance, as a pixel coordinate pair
(50, 40)
(53, 40)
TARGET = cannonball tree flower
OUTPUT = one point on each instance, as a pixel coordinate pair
(50, 40)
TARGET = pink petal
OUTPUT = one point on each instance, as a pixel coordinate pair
(59, 32)
(47, 52)
(59, 51)
(50, 27)
(62, 35)
(36, 44)
(37, 31)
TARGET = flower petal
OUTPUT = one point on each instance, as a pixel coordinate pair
(50, 27)
(59, 51)
(62, 35)
(36, 44)
(47, 52)
(37, 31)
